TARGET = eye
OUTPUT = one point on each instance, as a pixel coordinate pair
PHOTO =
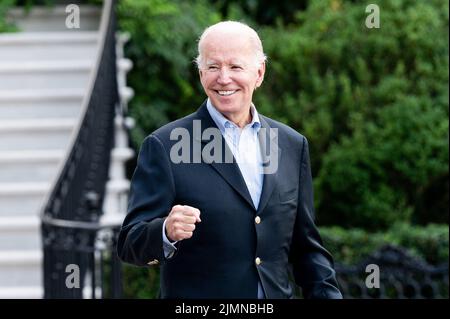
(236, 67)
(212, 67)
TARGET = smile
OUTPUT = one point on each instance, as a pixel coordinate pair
(226, 93)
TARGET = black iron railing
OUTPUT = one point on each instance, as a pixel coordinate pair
(78, 250)
(393, 274)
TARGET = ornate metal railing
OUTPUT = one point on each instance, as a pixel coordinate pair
(78, 250)
(396, 275)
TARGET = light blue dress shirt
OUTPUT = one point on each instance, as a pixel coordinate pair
(245, 147)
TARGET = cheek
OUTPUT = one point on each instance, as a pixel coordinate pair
(204, 82)
(207, 80)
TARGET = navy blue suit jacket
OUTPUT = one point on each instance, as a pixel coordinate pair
(219, 260)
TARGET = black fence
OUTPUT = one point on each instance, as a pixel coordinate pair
(393, 273)
(81, 262)
(79, 253)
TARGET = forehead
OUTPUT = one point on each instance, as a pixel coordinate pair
(227, 46)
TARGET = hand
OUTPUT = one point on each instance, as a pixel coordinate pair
(180, 224)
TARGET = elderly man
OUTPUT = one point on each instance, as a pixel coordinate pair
(222, 228)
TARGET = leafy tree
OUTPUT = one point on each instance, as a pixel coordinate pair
(366, 99)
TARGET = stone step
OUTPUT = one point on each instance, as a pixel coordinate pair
(36, 292)
(23, 104)
(49, 46)
(25, 292)
(29, 166)
(42, 165)
(20, 233)
(35, 134)
(50, 103)
(53, 18)
(15, 75)
(50, 75)
(20, 268)
(22, 199)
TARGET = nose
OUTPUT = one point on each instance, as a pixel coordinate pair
(223, 77)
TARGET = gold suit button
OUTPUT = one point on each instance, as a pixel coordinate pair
(257, 219)
(258, 261)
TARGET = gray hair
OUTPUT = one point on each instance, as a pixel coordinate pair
(235, 26)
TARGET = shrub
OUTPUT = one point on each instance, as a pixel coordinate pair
(349, 246)
(372, 102)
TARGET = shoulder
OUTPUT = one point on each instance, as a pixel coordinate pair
(285, 132)
(164, 131)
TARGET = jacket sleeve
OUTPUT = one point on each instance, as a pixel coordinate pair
(152, 193)
(312, 263)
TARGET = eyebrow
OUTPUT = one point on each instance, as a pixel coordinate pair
(235, 62)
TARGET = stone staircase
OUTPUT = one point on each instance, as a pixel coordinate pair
(44, 73)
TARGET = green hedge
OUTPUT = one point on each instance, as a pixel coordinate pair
(372, 102)
(430, 243)
(140, 282)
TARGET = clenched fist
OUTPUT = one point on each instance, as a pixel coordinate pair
(180, 223)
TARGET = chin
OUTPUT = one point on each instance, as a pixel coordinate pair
(223, 104)
(226, 108)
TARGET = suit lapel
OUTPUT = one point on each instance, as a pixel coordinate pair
(268, 139)
(230, 172)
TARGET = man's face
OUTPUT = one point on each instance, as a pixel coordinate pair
(229, 73)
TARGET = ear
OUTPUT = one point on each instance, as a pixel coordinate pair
(261, 72)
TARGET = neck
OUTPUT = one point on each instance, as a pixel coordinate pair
(242, 119)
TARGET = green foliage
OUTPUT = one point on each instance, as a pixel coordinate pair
(140, 282)
(264, 12)
(430, 243)
(381, 173)
(372, 102)
(5, 25)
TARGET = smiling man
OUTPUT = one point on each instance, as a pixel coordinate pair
(227, 229)
(231, 65)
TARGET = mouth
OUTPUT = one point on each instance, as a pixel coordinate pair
(225, 93)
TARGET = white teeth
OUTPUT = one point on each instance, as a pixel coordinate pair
(225, 93)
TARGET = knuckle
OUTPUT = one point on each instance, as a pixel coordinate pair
(176, 219)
